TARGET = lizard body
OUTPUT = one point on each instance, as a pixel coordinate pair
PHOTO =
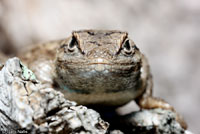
(102, 67)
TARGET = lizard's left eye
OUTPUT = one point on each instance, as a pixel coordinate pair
(72, 44)
(127, 47)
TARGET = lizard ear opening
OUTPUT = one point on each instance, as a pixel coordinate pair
(72, 44)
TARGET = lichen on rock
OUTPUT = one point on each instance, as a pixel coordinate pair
(27, 74)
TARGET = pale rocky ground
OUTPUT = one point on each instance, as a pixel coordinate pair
(166, 31)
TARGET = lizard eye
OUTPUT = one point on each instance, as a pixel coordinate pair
(127, 47)
(72, 44)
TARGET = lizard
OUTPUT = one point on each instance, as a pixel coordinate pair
(102, 67)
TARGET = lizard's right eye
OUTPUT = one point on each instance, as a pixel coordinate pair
(127, 47)
(72, 44)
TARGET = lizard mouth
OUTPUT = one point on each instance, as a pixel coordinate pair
(97, 61)
(102, 65)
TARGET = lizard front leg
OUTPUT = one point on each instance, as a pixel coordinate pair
(147, 101)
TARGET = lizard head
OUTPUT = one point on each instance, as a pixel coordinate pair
(98, 60)
(98, 47)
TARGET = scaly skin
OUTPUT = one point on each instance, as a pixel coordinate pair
(101, 67)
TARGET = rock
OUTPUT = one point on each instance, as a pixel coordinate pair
(155, 121)
(26, 105)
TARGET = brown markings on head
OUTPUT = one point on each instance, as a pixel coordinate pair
(100, 41)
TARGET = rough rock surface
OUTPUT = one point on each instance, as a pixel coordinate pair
(155, 121)
(25, 103)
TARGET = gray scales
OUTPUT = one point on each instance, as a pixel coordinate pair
(102, 67)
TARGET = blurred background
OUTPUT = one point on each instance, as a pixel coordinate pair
(168, 32)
